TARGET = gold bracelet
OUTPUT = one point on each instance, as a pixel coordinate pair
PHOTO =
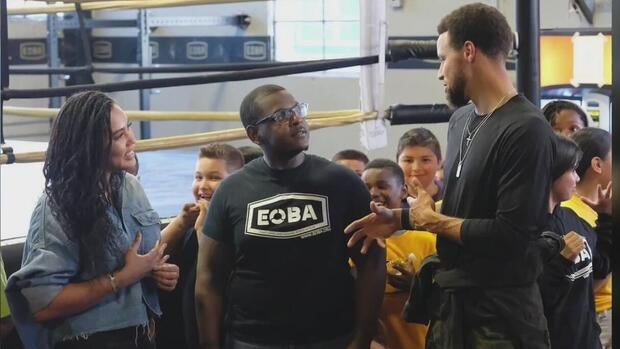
(113, 283)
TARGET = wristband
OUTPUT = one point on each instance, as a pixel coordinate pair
(113, 283)
(557, 239)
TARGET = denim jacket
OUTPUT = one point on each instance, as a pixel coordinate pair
(51, 261)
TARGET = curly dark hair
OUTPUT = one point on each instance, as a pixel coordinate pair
(554, 108)
(76, 178)
(481, 24)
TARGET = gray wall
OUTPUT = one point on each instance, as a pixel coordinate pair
(321, 91)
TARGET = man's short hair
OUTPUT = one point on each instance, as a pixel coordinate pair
(593, 142)
(220, 151)
(553, 109)
(391, 166)
(481, 24)
(419, 137)
(251, 111)
(350, 154)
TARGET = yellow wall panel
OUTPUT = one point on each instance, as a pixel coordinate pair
(556, 60)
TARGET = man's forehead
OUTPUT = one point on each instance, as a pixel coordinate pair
(277, 100)
(442, 41)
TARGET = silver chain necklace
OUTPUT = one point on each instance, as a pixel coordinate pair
(471, 135)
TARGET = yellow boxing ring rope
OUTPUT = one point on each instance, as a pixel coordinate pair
(212, 137)
(158, 115)
(113, 5)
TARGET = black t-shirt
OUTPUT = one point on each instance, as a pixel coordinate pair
(566, 288)
(291, 280)
(501, 193)
(177, 327)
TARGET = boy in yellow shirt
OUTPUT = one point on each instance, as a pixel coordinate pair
(404, 255)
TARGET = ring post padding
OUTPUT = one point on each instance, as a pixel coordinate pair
(403, 114)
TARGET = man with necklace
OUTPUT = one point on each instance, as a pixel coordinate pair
(497, 173)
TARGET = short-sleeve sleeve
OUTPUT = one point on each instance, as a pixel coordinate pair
(359, 203)
(217, 225)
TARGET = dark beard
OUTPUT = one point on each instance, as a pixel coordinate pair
(456, 94)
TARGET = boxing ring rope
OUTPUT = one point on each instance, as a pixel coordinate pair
(416, 49)
(419, 49)
(191, 80)
(158, 115)
(201, 138)
(396, 52)
(114, 5)
(167, 69)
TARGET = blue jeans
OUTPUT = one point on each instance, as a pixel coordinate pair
(134, 337)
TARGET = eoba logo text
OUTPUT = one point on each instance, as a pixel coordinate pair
(288, 216)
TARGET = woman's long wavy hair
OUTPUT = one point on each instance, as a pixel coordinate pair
(76, 177)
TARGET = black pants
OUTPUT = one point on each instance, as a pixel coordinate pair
(500, 318)
(338, 343)
(135, 337)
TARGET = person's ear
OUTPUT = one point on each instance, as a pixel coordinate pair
(469, 51)
(254, 135)
(596, 164)
(404, 192)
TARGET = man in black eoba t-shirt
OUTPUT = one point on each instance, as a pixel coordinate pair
(497, 175)
(273, 266)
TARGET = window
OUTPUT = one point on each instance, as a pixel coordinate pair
(316, 29)
(23, 4)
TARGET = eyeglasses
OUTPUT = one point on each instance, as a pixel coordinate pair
(285, 115)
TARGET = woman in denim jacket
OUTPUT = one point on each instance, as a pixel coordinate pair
(93, 257)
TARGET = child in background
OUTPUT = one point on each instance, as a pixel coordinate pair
(250, 153)
(594, 169)
(419, 156)
(566, 284)
(177, 326)
(404, 255)
(351, 158)
(565, 117)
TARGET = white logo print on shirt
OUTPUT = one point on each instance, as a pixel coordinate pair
(288, 216)
(584, 262)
